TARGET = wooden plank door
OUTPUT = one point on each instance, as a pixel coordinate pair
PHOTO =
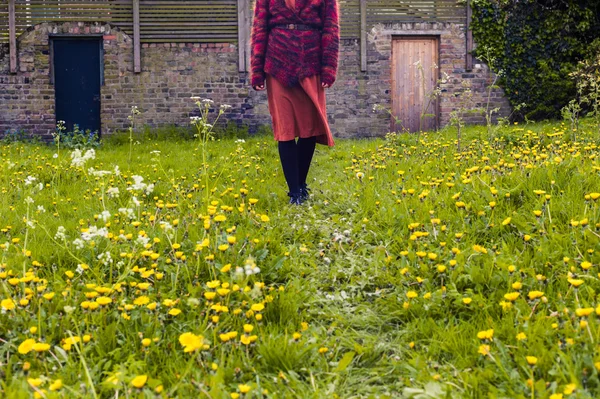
(77, 81)
(410, 97)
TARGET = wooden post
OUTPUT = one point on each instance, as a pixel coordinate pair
(136, 37)
(248, 27)
(242, 34)
(363, 35)
(469, 59)
(12, 36)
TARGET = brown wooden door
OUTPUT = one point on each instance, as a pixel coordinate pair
(410, 95)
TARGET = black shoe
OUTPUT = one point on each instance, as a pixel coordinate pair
(296, 198)
(304, 192)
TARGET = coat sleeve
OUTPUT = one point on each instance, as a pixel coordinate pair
(259, 37)
(330, 41)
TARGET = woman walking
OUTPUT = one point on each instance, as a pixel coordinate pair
(295, 46)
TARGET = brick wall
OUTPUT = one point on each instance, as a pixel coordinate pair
(173, 72)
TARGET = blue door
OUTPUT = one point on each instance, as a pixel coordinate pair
(77, 79)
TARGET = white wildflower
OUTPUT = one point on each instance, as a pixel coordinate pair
(140, 185)
(166, 226)
(78, 243)
(79, 160)
(94, 231)
(60, 234)
(127, 212)
(105, 215)
(105, 258)
(99, 173)
(113, 192)
(142, 240)
(29, 180)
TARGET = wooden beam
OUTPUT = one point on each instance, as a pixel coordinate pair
(469, 59)
(12, 36)
(136, 37)
(242, 34)
(248, 27)
(363, 35)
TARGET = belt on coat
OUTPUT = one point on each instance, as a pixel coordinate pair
(296, 26)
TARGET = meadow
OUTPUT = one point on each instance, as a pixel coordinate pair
(173, 268)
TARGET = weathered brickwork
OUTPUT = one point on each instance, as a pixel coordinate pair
(173, 72)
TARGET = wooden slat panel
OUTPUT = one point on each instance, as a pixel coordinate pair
(409, 99)
(381, 11)
(4, 22)
(215, 20)
(349, 18)
(33, 12)
(208, 14)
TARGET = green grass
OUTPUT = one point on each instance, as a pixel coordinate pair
(387, 218)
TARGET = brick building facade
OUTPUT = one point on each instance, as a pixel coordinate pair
(173, 72)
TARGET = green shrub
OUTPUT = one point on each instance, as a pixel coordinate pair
(537, 44)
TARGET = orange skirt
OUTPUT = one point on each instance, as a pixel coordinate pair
(298, 111)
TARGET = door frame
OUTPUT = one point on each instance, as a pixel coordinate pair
(66, 36)
(416, 36)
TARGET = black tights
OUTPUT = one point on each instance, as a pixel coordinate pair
(295, 161)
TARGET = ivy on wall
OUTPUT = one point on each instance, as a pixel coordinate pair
(536, 43)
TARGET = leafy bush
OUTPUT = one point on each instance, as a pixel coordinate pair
(537, 43)
(75, 139)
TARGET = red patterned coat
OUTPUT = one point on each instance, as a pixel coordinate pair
(290, 55)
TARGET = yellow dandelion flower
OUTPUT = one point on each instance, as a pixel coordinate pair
(535, 294)
(56, 385)
(531, 360)
(244, 388)
(40, 347)
(191, 342)
(174, 312)
(103, 300)
(486, 334)
(26, 346)
(141, 301)
(512, 296)
(139, 381)
(584, 312)
(484, 350)
(257, 307)
(575, 282)
(7, 304)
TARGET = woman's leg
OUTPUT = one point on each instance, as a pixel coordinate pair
(306, 149)
(288, 153)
